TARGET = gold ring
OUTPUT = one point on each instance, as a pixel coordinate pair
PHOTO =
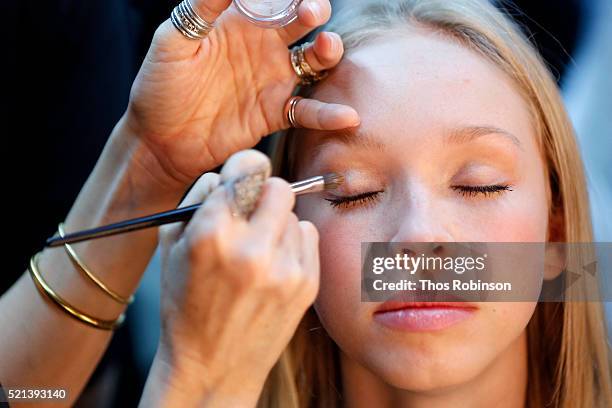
(290, 111)
(306, 74)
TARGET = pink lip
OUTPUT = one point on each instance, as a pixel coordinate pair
(423, 316)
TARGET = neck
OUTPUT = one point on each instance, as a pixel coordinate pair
(502, 384)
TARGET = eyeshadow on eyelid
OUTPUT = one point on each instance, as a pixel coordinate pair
(482, 172)
(478, 167)
(491, 155)
(339, 156)
(356, 180)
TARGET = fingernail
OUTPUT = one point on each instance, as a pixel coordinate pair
(347, 111)
(245, 191)
(315, 9)
(356, 120)
(335, 42)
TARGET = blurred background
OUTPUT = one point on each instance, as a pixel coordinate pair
(68, 67)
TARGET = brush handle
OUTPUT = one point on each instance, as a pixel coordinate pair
(154, 220)
(311, 185)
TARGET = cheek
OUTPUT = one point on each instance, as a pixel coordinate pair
(521, 216)
(524, 215)
(339, 301)
(503, 322)
(339, 244)
(340, 262)
(524, 222)
(527, 220)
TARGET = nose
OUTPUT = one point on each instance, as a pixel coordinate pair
(424, 229)
(421, 220)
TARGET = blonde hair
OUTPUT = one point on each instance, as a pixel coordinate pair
(567, 342)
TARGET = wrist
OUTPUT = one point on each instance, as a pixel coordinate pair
(121, 186)
(180, 382)
(148, 179)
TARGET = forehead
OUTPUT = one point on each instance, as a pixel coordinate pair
(415, 86)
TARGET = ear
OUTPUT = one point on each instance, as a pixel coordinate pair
(555, 253)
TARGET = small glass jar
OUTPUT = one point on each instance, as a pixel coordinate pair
(269, 13)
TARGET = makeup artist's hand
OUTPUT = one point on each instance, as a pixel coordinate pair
(194, 103)
(233, 293)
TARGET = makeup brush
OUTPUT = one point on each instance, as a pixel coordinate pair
(316, 184)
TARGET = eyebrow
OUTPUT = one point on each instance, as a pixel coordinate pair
(358, 138)
(467, 134)
(353, 137)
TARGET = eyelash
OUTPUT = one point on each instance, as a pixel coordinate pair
(369, 197)
(473, 191)
(354, 200)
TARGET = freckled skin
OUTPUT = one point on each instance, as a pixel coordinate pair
(408, 91)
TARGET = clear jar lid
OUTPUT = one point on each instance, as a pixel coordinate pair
(269, 13)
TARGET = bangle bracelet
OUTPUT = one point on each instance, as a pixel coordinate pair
(46, 290)
(81, 267)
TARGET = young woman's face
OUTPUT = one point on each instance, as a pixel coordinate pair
(437, 120)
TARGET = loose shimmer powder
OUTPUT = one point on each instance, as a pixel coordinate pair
(246, 190)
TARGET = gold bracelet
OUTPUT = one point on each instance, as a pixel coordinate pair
(46, 290)
(81, 266)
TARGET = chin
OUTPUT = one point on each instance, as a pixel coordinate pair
(421, 371)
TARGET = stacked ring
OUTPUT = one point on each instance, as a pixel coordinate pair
(302, 68)
(290, 111)
(187, 21)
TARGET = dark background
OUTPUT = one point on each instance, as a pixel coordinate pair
(68, 67)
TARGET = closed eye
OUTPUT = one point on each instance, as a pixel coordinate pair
(371, 196)
(473, 191)
(354, 200)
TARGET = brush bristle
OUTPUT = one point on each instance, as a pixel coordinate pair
(333, 180)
